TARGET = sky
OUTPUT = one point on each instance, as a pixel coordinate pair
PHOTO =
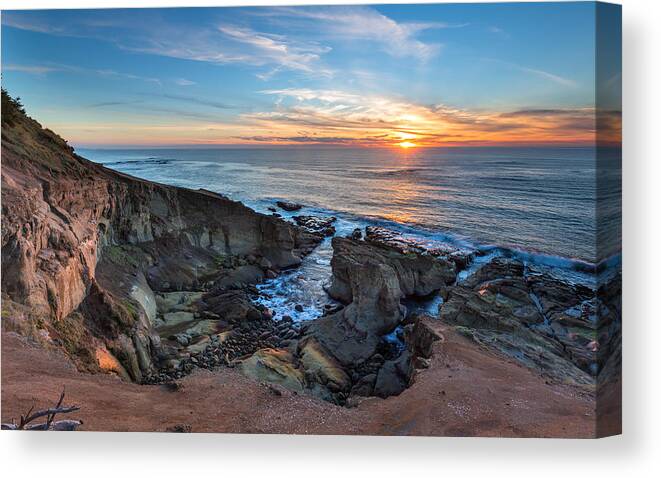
(369, 76)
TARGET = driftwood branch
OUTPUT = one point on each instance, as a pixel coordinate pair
(26, 420)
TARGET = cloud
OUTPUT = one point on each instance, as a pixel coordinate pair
(226, 42)
(149, 110)
(343, 117)
(308, 139)
(184, 82)
(548, 112)
(192, 100)
(336, 117)
(105, 104)
(537, 72)
(31, 23)
(56, 67)
(31, 69)
(267, 48)
(549, 76)
(116, 74)
(213, 42)
(398, 39)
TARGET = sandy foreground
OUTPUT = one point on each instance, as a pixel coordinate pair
(467, 391)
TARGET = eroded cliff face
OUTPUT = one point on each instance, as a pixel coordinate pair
(84, 248)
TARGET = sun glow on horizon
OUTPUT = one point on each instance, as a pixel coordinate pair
(407, 145)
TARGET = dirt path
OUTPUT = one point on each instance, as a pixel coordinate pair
(467, 391)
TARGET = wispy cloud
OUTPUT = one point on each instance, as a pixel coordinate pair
(192, 100)
(184, 82)
(549, 76)
(117, 74)
(224, 43)
(56, 67)
(560, 80)
(105, 104)
(398, 39)
(16, 20)
(31, 69)
(269, 48)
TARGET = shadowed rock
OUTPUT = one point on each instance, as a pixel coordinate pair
(372, 279)
(545, 323)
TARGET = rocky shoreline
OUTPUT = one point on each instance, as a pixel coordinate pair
(152, 282)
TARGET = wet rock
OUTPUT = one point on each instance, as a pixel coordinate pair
(182, 339)
(357, 234)
(288, 206)
(322, 226)
(390, 239)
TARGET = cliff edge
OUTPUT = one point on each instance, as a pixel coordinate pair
(85, 248)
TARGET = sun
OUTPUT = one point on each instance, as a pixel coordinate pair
(407, 144)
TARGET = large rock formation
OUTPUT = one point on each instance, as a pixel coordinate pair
(371, 279)
(84, 248)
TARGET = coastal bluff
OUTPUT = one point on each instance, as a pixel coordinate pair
(85, 248)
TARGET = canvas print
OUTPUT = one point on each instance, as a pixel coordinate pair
(368, 219)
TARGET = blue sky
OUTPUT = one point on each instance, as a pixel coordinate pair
(368, 75)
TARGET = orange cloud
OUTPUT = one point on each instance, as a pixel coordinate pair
(305, 116)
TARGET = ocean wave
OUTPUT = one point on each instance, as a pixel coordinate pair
(400, 172)
(149, 161)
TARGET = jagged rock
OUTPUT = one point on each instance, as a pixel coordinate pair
(322, 226)
(386, 238)
(422, 337)
(393, 377)
(372, 279)
(537, 319)
(289, 206)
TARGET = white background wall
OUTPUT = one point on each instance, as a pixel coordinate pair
(118, 455)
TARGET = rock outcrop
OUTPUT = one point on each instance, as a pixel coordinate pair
(545, 323)
(372, 279)
(84, 248)
(345, 353)
(322, 226)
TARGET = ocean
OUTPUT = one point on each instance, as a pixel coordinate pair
(537, 203)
